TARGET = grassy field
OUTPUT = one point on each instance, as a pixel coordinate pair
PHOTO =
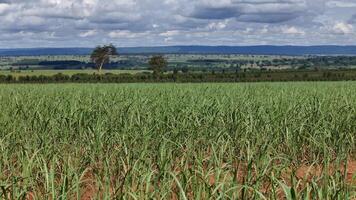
(178, 141)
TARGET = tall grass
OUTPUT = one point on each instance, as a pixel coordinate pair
(178, 141)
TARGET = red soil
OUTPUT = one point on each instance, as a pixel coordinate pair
(89, 190)
(306, 173)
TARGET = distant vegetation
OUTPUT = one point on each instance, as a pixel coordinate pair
(186, 76)
(193, 62)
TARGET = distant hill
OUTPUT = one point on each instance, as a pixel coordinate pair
(256, 50)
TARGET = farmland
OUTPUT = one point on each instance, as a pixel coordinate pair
(192, 62)
(139, 61)
(178, 141)
(130, 68)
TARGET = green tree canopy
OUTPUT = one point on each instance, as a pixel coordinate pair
(101, 55)
(157, 64)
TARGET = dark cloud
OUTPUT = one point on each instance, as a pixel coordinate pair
(268, 17)
(214, 13)
(252, 11)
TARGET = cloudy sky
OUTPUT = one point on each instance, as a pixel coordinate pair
(86, 23)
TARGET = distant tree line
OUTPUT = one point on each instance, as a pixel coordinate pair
(297, 62)
(180, 77)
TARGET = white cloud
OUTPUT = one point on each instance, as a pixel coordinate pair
(88, 33)
(217, 25)
(341, 4)
(126, 34)
(170, 33)
(168, 39)
(343, 28)
(4, 7)
(293, 30)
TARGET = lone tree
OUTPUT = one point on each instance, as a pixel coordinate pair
(157, 64)
(101, 55)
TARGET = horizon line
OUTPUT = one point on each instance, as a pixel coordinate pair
(163, 46)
